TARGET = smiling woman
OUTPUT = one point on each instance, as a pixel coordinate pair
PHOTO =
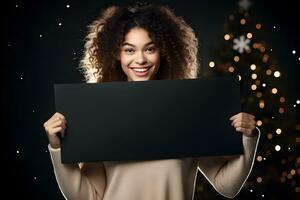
(116, 34)
(141, 43)
(140, 58)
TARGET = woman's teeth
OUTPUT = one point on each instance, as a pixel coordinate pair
(141, 69)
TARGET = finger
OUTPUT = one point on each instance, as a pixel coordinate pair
(58, 123)
(49, 128)
(57, 114)
(58, 130)
(245, 120)
(54, 121)
(235, 116)
(242, 114)
(245, 131)
(244, 125)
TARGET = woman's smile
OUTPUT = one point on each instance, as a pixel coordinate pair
(140, 71)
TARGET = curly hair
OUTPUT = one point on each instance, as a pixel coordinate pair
(175, 39)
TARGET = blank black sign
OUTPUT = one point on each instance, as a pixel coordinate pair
(145, 120)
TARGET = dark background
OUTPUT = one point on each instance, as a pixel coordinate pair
(37, 53)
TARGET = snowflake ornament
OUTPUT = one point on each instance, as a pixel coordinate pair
(244, 4)
(241, 44)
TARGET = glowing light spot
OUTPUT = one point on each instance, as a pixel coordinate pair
(211, 64)
(274, 90)
(261, 104)
(259, 123)
(258, 26)
(277, 148)
(227, 37)
(259, 94)
(259, 158)
(281, 110)
(278, 131)
(249, 35)
(269, 72)
(269, 136)
(259, 179)
(253, 67)
(236, 59)
(231, 69)
(243, 21)
(277, 74)
(253, 87)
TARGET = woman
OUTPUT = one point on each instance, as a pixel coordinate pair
(139, 43)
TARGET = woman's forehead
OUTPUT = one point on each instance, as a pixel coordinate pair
(137, 36)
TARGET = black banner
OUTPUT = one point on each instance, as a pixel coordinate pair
(145, 120)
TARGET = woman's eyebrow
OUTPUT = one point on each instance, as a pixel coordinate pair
(127, 43)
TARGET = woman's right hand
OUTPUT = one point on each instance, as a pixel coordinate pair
(54, 128)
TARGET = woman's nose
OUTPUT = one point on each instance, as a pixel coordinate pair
(140, 58)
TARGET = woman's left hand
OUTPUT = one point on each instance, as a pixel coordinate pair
(245, 123)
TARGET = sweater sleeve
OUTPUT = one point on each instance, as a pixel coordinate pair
(227, 174)
(78, 181)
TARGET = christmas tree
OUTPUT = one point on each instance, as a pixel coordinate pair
(243, 53)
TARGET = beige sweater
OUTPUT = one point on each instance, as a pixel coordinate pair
(169, 179)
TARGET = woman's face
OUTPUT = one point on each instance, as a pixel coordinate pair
(140, 58)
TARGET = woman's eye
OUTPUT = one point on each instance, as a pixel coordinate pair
(150, 50)
(129, 51)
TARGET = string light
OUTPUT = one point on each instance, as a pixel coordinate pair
(258, 26)
(243, 21)
(259, 122)
(278, 131)
(211, 64)
(259, 158)
(274, 90)
(277, 148)
(259, 179)
(239, 77)
(249, 35)
(236, 59)
(253, 67)
(269, 136)
(253, 87)
(259, 94)
(281, 110)
(277, 74)
(254, 76)
(231, 69)
(269, 72)
(265, 57)
(227, 37)
(261, 104)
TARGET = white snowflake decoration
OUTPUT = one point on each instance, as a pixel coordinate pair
(244, 4)
(241, 44)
